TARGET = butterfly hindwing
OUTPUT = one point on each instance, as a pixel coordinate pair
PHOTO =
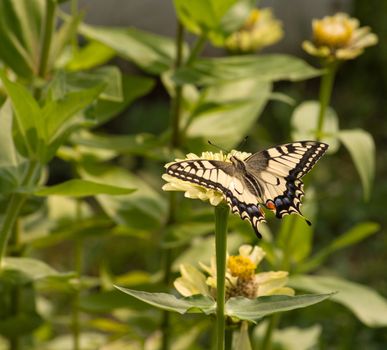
(279, 170)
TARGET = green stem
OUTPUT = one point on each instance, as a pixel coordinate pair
(286, 263)
(14, 206)
(78, 257)
(178, 98)
(325, 96)
(221, 216)
(49, 25)
(273, 323)
(197, 48)
(228, 339)
(74, 13)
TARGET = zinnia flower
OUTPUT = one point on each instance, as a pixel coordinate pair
(260, 29)
(339, 37)
(193, 190)
(241, 277)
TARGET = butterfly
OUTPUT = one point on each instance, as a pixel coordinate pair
(270, 178)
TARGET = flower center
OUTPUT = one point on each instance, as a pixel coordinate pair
(332, 32)
(241, 266)
(252, 19)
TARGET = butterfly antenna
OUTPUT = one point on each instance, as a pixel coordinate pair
(218, 147)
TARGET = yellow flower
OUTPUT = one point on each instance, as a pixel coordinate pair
(260, 29)
(193, 190)
(241, 279)
(339, 37)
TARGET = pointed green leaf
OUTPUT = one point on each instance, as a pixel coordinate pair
(12, 164)
(215, 19)
(361, 147)
(369, 306)
(273, 67)
(133, 87)
(290, 338)
(254, 309)
(20, 32)
(27, 114)
(194, 304)
(230, 110)
(304, 124)
(350, 237)
(34, 269)
(82, 188)
(90, 56)
(153, 53)
(143, 209)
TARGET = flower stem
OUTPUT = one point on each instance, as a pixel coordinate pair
(49, 25)
(177, 100)
(273, 322)
(325, 96)
(78, 257)
(221, 216)
(74, 13)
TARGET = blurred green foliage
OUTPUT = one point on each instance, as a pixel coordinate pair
(84, 143)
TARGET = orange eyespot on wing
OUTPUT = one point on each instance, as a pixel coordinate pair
(270, 205)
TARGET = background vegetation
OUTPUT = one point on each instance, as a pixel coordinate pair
(89, 117)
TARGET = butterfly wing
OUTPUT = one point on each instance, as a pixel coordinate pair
(277, 172)
(223, 177)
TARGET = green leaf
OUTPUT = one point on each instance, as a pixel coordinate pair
(194, 304)
(20, 324)
(143, 209)
(348, 238)
(215, 19)
(68, 82)
(139, 144)
(273, 67)
(12, 164)
(241, 339)
(27, 115)
(108, 301)
(254, 309)
(32, 268)
(82, 188)
(295, 236)
(361, 147)
(20, 31)
(228, 111)
(290, 338)
(62, 38)
(304, 124)
(153, 53)
(133, 87)
(92, 55)
(368, 306)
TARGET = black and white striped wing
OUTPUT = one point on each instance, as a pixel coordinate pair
(220, 176)
(278, 172)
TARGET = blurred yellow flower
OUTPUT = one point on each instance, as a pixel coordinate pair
(241, 279)
(260, 29)
(339, 37)
(193, 190)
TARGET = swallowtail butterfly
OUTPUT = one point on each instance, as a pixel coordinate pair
(271, 178)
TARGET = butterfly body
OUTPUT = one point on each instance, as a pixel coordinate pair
(271, 178)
